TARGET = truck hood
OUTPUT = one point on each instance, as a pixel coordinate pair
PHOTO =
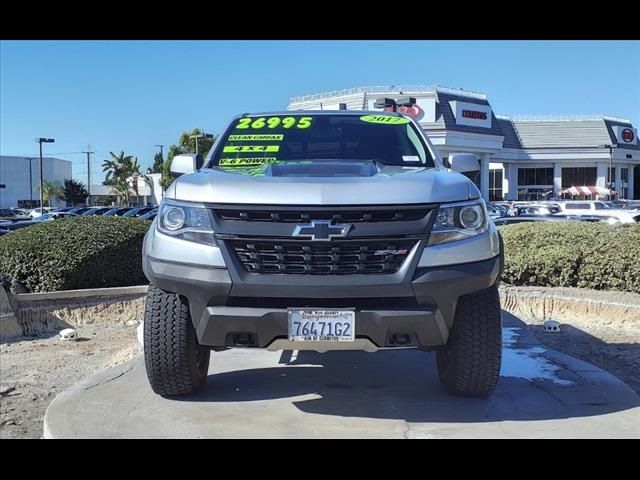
(329, 183)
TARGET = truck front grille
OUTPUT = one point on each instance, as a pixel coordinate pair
(303, 216)
(379, 256)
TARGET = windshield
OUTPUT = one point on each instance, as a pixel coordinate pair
(254, 141)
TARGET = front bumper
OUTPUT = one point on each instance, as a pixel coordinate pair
(231, 307)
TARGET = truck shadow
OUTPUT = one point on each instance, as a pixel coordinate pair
(403, 384)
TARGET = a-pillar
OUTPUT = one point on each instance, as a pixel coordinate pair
(484, 175)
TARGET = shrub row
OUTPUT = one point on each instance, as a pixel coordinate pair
(66, 254)
(573, 254)
(93, 252)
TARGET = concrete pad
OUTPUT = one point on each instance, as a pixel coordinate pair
(388, 394)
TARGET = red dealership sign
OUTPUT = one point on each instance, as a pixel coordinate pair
(627, 135)
(474, 114)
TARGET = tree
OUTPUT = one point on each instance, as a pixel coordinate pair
(121, 188)
(165, 178)
(134, 176)
(116, 167)
(157, 163)
(188, 145)
(185, 145)
(74, 191)
(51, 189)
(124, 175)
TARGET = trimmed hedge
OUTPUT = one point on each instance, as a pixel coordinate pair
(573, 254)
(94, 252)
(67, 254)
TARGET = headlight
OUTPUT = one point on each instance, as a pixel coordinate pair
(457, 221)
(185, 221)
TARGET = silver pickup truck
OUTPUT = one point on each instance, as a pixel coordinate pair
(323, 230)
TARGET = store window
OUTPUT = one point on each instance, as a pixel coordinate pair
(535, 176)
(495, 185)
(535, 183)
(579, 177)
(624, 188)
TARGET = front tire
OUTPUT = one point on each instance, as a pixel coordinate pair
(469, 365)
(176, 363)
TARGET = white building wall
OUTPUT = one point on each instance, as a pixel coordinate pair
(601, 174)
(14, 174)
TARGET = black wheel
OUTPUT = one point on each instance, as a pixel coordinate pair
(469, 365)
(176, 363)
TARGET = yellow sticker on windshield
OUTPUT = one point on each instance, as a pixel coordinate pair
(384, 119)
(250, 148)
(255, 138)
(237, 162)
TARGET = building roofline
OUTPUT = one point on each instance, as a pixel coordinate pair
(390, 89)
(563, 118)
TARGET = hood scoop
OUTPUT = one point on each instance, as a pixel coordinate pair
(322, 169)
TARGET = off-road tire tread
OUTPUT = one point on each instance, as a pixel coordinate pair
(469, 365)
(170, 345)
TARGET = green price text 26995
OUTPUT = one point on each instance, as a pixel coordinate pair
(273, 122)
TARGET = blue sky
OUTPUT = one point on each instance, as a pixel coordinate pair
(121, 95)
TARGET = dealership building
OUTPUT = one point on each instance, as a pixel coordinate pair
(20, 179)
(521, 158)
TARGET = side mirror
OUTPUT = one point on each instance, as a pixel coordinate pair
(465, 163)
(185, 163)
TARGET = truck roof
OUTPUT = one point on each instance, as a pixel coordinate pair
(323, 112)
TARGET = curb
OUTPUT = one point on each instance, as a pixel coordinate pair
(89, 292)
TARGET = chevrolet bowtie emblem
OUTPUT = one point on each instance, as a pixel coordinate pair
(322, 230)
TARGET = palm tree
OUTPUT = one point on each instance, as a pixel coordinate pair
(134, 175)
(117, 167)
(51, 189)
(121, 188)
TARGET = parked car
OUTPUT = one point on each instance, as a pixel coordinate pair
(95, 211)
(539, 210)
(495, 212)
(137, 211)
(56, 216)
(501, 207)
(4, 231)
(8, 214)
(21, 214)
(599, 209)
(36, 212)
(79, 210)
(116, 211)
(149, 215)
(47, 217)
(533, 218)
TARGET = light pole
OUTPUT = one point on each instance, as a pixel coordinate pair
(199, 136)
(88, 152)
(30, 184)
(41, 140)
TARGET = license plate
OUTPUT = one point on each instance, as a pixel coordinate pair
(316, 325)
